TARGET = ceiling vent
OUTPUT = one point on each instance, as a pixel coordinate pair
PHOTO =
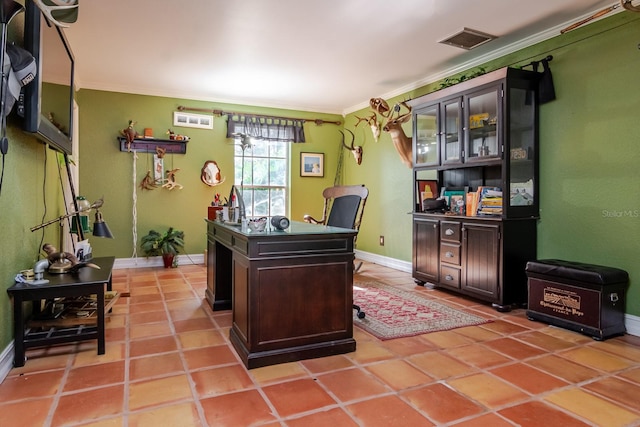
(468, 39)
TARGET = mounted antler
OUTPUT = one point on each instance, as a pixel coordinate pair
(628, 4)
(373, 123)
(393, 125)
(355, 150)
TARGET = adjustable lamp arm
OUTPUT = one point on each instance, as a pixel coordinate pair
(95, 205)
(60, 218)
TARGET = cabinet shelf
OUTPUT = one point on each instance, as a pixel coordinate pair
(482, 131)
(149, 145)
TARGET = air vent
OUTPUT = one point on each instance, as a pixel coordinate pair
(468, 39)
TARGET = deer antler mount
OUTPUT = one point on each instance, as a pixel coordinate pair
(356, 150)
(393, 125)
(373, 123)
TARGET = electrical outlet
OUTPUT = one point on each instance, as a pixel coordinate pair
(381, 240)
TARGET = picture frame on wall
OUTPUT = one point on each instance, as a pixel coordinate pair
(312, 164)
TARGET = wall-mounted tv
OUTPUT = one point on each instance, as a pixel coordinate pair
(48, 101)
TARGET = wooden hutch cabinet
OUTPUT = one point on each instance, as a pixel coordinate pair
(476, 145)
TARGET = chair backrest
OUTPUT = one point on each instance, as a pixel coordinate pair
(343, 211)
(345, 204)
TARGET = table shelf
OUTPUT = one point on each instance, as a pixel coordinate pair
(68, 316)
(88, 283)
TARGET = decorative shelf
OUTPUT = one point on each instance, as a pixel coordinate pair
(149, 145)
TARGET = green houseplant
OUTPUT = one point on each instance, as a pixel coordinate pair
(167, 245)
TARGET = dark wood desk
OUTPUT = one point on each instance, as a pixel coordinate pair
(86, 281)
(291, 291)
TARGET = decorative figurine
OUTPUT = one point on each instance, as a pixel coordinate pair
(130, 133)
(176, 137)
(148, 182)
(171, 180)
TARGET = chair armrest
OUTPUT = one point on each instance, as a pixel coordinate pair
(312, 220)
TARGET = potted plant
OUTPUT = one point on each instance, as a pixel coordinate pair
(165, 244)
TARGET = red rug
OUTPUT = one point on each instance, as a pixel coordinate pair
(394, 313)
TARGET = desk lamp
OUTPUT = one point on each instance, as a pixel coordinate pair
(100, 229)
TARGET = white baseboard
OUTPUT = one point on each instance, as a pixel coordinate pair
(384, 261)
(156, 261)
(631, 322)
(6, 361)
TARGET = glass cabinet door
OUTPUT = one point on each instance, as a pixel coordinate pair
(482, 127)
(426, 136)
(450, 136)
(522, 153)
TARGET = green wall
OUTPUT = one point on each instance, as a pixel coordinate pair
(589, 139)
(31, 194)
(589, 155)
(107, 171)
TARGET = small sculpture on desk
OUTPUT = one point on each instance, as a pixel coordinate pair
(63, 262)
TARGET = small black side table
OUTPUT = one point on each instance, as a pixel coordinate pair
(86, 281)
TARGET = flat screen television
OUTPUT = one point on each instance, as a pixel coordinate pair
(48, 101)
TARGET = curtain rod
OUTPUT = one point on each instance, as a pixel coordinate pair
(231, 113)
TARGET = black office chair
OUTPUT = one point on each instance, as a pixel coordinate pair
(343, 207)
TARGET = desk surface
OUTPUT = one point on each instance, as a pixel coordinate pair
(296, 228)
(84, 276)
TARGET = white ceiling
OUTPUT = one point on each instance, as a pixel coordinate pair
(311, 55)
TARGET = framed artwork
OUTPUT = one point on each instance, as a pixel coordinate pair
(189, 120)
(425, 189)
(312, 164)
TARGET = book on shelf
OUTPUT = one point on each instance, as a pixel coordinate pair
(472, 203)
(489, 201)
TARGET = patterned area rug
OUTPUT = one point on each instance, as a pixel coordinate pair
(394, 313)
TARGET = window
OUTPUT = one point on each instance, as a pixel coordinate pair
(263, 179)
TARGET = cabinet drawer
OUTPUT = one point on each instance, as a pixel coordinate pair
(450, 276)
(450, 231)
(450, 253)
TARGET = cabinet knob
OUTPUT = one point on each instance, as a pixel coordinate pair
(448, 277)
(449, 254)
(449, 232)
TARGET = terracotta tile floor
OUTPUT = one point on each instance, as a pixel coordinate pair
(169, 363)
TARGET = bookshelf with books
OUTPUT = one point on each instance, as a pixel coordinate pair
(482, 140)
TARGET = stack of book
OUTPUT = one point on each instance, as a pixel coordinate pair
(489, 201)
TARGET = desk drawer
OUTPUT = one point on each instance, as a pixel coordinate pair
(449, 253)
(450, 231)
(450, 276)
